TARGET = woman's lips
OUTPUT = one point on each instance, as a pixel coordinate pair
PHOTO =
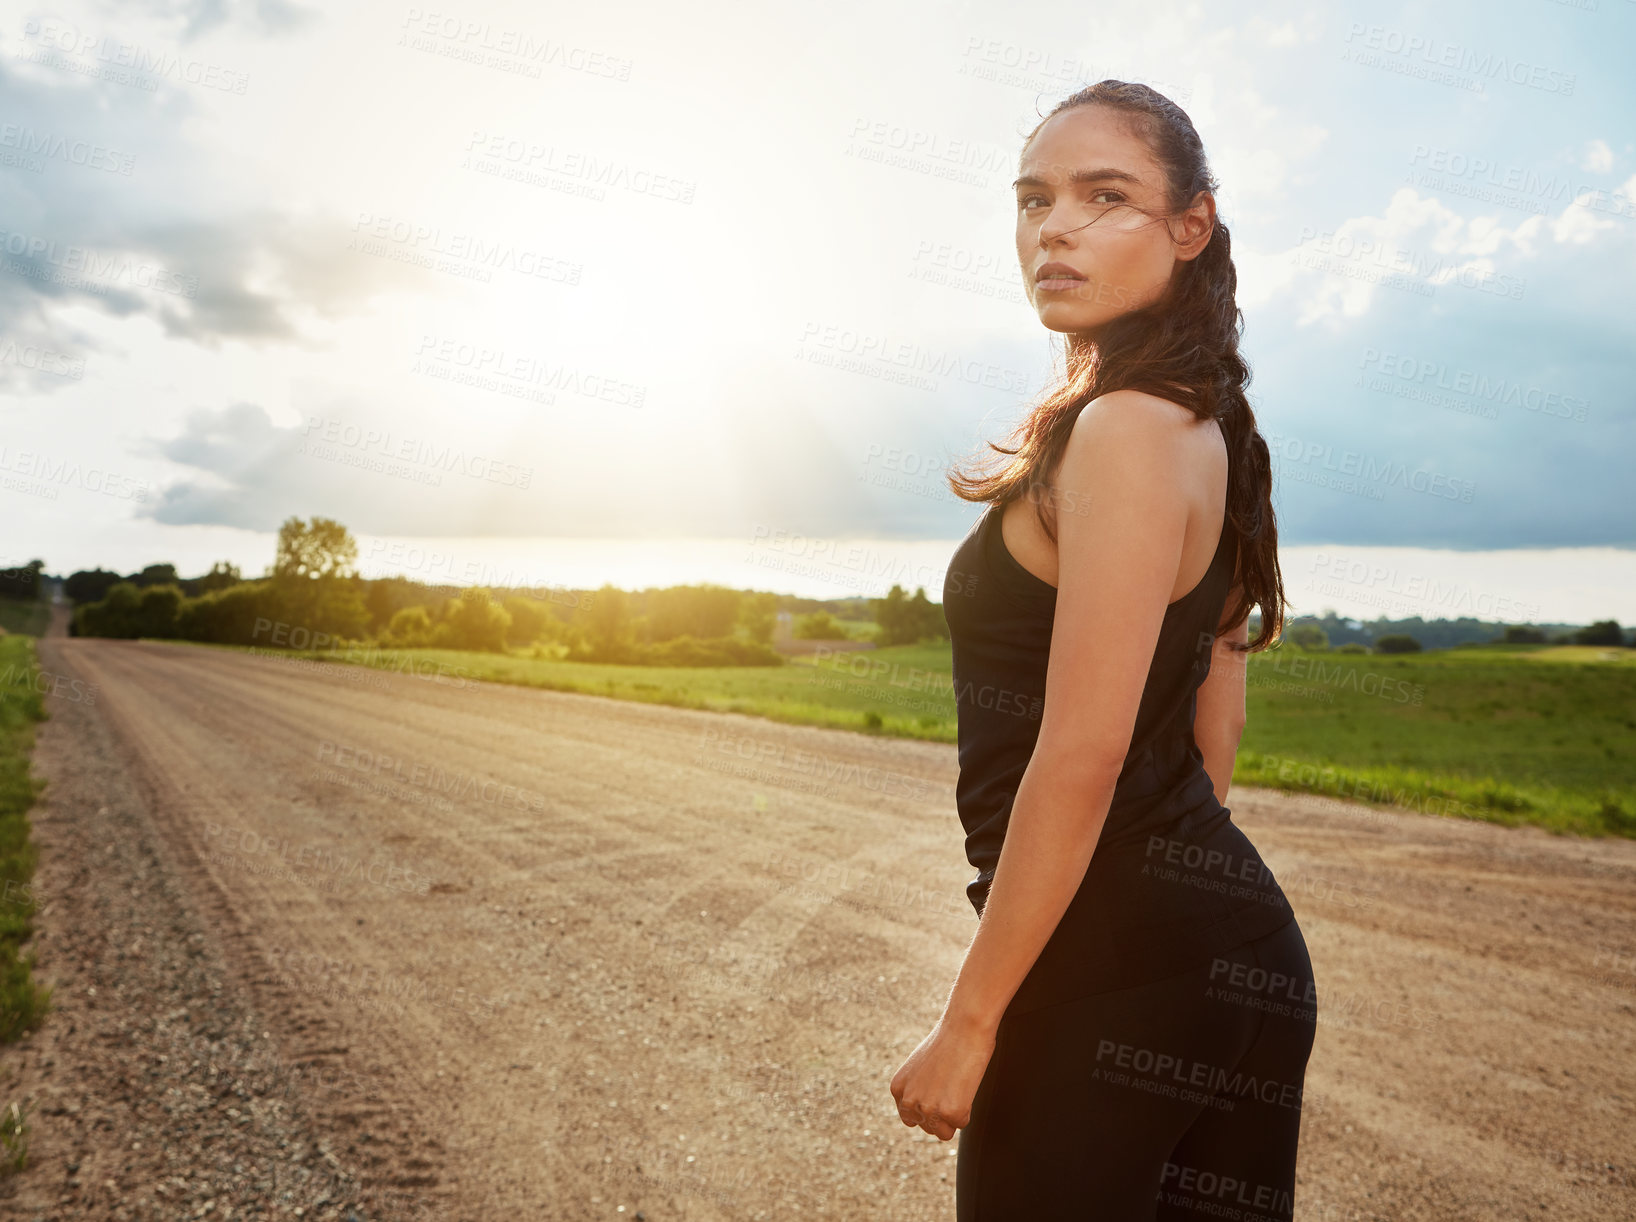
(1057, 284)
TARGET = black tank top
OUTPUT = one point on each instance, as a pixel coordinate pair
(1173, 881)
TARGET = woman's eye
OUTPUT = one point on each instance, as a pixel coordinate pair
(1023, 202)
(1117, 198)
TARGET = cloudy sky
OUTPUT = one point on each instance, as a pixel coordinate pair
(650, 293)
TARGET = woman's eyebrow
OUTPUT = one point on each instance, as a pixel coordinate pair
(1081, 176)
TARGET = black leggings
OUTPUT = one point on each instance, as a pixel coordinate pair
(1179, 1099)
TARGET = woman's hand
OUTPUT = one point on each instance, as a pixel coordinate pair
(936, 1085)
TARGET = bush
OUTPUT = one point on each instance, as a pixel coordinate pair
(1397, 643)
(1523, 634)
(1352, 647)
(119, 614)
(473, 621)
(411, 628)
(819, 626)
(227, 616)
(716, 651)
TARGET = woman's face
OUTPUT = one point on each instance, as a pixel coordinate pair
(1078, 168)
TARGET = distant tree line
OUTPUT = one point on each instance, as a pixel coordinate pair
(1411, 636)
(23, 582)
(312, 597)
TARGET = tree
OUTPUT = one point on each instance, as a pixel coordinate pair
(315, 572)
(609, 632)
(758, 616)
(1309, 636)
(89, 585)
(528, 620)
(22, 582)
(702, 611)
(906, 621)
(155, 575)
(324, 549)
(1603, 632)
(222, 574)
(1523, 634)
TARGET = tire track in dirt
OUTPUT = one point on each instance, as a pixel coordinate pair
(674, 965)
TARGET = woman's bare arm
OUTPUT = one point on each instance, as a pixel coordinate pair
(1116, 568)
(1219, 715)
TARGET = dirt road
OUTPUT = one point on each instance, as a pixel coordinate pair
(417, 948)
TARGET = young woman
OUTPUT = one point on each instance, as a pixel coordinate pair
(1128, 1035)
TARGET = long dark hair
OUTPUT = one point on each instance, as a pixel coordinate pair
(1182, 347)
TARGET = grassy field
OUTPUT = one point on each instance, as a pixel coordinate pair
(28, 618)
(1543, 735)
(23, 1002)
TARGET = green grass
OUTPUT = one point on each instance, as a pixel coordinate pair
(1534, 734)
(908, 688)
(1543, 735)
(28, 617)
(13, 1139)
(23, 1002)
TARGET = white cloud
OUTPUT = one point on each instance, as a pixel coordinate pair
(1598, 157)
